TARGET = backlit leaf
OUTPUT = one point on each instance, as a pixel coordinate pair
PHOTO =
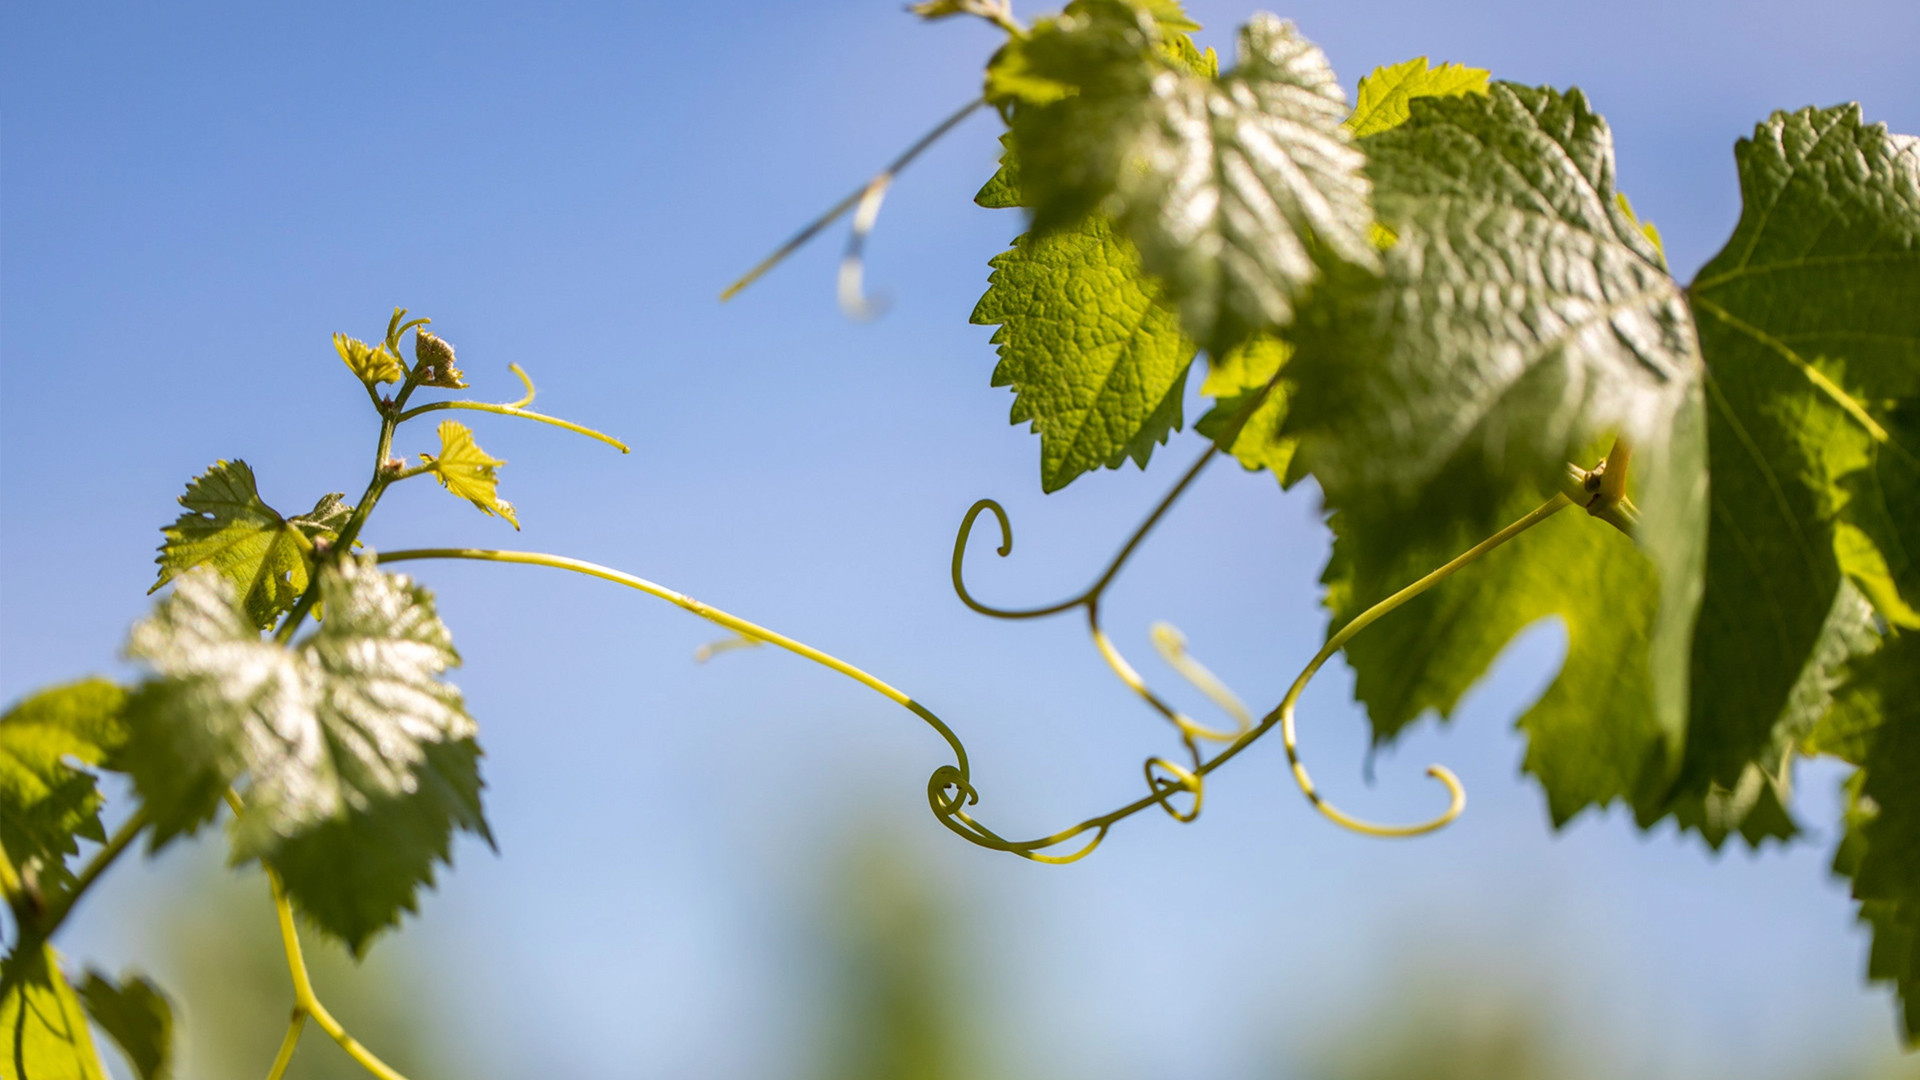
(45, 803)
(1097, 363)
(467, 471)
(1383, 96)
(228, 527)
(346, 733)
(1811, 333)
(1230, 187)
(1524, 320)
(43, 1031)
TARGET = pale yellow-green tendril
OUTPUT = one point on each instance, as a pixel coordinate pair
(516, 408)
(1457, 796)
(854, 301)
(305, 1002)
(867, 197)
(726, 644)
(950, 789)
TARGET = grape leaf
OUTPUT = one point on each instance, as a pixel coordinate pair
(1523, 318)
(1234, 381)
(1595, 734)
(1756, 805)
(1812, 336)
(334, 738)
(372, 364)
(137, 1016)
(467, 471)
(355, 874)
(1383, 97)
(1880, 708)
(45, 803)
(229, 527)
(1230, 187)
(43, 1032)
(1096, 362)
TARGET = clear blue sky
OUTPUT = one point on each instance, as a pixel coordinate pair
(193, 197)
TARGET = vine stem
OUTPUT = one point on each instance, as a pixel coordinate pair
(1288, 736)
(306, 1003)
(867, 192)
(949, 789)
(706, 611)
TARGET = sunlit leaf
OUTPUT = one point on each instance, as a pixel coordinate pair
(467, 471)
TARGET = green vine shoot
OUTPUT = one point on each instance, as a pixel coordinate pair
(1433, 301)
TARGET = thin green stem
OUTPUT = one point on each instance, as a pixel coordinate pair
(304, 997)
(524, 414)
(837, 210)
(1457, 796)
(285, 1057)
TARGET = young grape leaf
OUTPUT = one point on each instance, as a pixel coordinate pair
(467, 471)
(138, 1018)
(337, 732)
(1595, 735)
(1811, 333)
(372, 364)
(43, 1031)
(45, 803)
(1382, 101)
(326, 519)
(1096, 361)
(1232, 188)
(1234, 381)
(1523, 319)
(229, 527)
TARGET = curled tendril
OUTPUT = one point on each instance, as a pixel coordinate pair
(515, 408)
(1177, 779)
(950, 789)
(854, 301)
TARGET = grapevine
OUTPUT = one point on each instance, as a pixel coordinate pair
(1433, 301)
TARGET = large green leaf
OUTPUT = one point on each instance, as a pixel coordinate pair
(229, 527)
(1756, 805)
(1595, 735)
(46, 805)
(1811, 331)
(1235, 379)
(137, 1016)
(1232, 188)
(334, 740)
(1097, 363)
(43, 1031)
(355, 874)
(1880, 709)
(1524, 318)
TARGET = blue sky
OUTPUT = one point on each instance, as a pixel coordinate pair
(194, 197)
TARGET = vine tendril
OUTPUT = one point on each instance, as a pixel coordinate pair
(515, 408)
(867, 197)
(950, 789)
